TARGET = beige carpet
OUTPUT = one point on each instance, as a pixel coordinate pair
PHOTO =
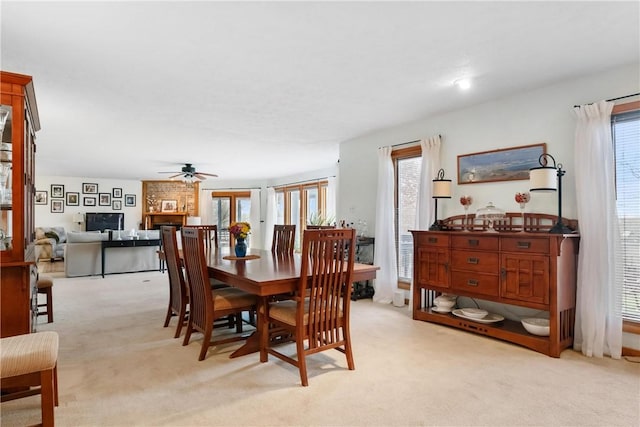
(118, 367)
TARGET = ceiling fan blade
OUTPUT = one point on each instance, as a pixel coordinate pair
(171, 172)
(205, 174)
(176, 175)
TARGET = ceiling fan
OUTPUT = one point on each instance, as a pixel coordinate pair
(188, 173)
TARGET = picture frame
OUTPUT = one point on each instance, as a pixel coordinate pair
(130, 200)
(116, 193)
(57, 191)
(104, 199)
(116, 205)
(89, 201)
(41, 197)
(73, 199)
(57, 206)
(505, 164)
(89, 188)
(169, 206)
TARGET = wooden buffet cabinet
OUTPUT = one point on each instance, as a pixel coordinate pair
(527, 269)
(18, 271)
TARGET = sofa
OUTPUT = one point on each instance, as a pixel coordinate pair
(83, 254)
(50, 243)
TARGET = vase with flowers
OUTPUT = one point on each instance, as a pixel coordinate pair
(522, 199)
(466, 201)
(240, 231)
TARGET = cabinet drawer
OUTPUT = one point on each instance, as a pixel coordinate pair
(525, 244)
(478, 283)
(487, 262)
(475, 242)
(433, 239)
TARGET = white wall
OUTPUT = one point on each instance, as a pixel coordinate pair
(541, 115)
(44, 217)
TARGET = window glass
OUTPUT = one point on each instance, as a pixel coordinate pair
(407, 182)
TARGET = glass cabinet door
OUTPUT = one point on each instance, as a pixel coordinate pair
(6, 168)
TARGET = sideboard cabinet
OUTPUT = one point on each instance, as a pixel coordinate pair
(18, 274)
(534, 270)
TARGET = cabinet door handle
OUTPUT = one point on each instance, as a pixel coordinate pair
(472, 260)
(473, 242)
(503, 273)
(433, 240)
(472, 282)
(524, 245)
(446, 267)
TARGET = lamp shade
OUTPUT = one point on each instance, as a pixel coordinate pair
(194, 220)
(543, 179)
(441, 186)
(78, 217)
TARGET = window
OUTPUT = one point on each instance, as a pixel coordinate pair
(408, 165)
(302, 204)
(228, 207)
(626, 138)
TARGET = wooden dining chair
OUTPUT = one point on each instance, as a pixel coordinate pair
(206, 304)
(284, 238)
(178, 293)
(318, 314)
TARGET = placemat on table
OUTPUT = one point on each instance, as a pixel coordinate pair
(232, 257)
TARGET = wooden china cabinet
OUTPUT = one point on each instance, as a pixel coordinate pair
(528, 268)
(18, 273)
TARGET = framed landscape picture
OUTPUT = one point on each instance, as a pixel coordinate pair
(104, 199)
(57, 191)
(89, 201)
(508, 164)
(73, 199)
(41, 197)
(129, 200)
(57, 206)
(89, 188)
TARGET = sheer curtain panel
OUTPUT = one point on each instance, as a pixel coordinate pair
(598, 327)
(270, 218)
(254, 219)
(385, 254)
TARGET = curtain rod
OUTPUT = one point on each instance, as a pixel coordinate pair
(301, 182)
(233, 188)
(614, 99)
(409, 142)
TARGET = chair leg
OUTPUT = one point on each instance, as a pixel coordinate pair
(49, 294)
(55, 385)
(206, 343)
(302, 362)
(168, 316)
(181, 316)
(347, 349)
(47, 395)
(187, 335)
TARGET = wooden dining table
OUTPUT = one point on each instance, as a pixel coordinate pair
(265, 274)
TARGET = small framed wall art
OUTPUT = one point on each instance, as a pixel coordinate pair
(73, 199)
(41, 197)
(169, 206)
(57, 206)
(89, 188)
(117, 193)
(57, 191)
(104, 199)
(89, 201)
(116, 205)
(129, 200)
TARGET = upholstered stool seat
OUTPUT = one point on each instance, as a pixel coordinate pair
(31, 360)
(45, 285)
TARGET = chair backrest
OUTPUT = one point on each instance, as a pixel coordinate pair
(284, 237)
(326, 276)
(210, 236)
(200, 301)
(177, 286)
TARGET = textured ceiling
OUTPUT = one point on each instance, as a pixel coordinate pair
(261, 90)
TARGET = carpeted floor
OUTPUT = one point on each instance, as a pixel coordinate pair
(119, 367)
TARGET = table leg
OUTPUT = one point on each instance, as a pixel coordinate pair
(252, 344)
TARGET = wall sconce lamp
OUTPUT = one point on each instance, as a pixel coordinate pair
(79, 219)
(549, 178)
(441, 190)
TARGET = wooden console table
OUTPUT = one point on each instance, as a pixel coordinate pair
(126, 243)
(533, 269)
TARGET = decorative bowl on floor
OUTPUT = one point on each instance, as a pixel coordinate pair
(474, 313)
(536, 326)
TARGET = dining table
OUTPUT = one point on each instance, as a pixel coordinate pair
(265, 274)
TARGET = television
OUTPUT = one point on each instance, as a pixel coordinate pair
(100, 221)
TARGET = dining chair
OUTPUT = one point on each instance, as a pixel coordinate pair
(284, 237)
(206, 304)
(178, 293)
(318, 314)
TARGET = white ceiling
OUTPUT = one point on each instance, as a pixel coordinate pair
(268, 89)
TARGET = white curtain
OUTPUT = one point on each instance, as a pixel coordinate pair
(270, 217)
(385, 254)
(598, 327)
(330, 214)
(254, 219)
(425, 209)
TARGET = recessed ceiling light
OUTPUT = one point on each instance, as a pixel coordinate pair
(463, 83)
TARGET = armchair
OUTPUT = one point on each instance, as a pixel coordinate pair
(50, 243)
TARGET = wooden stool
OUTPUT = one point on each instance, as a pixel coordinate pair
(45, 285)
(31, 360)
